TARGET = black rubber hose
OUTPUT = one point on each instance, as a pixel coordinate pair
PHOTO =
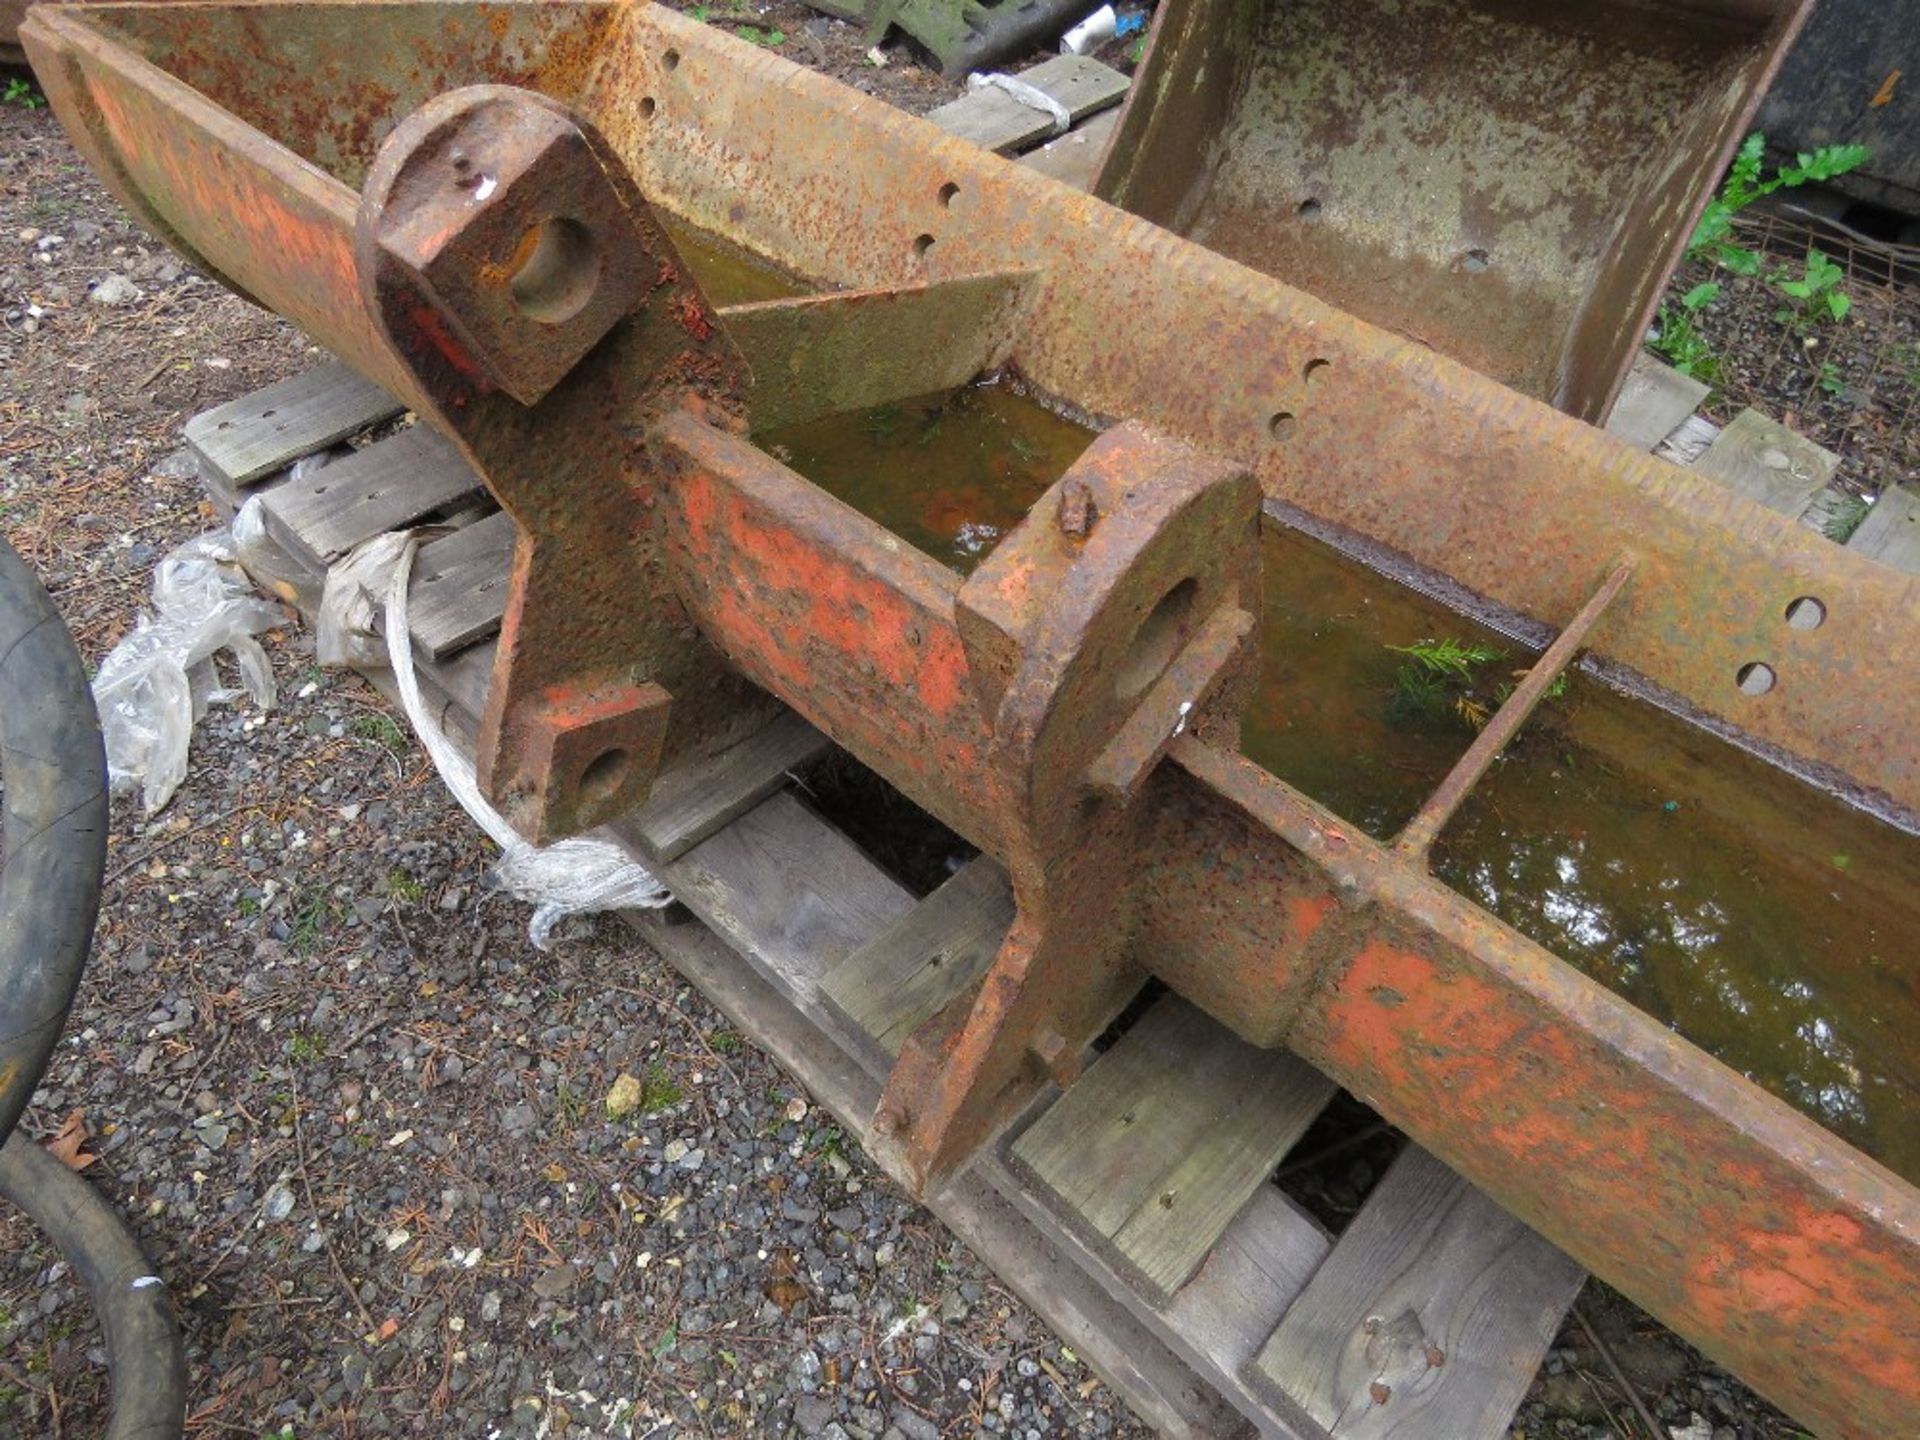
(144, 1353)
(53, 847)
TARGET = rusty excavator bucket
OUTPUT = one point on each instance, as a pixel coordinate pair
(478, 223)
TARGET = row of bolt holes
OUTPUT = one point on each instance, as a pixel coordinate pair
(1757, 677)
(1754, 678)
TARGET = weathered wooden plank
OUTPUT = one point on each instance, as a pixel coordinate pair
(1653, 403)
(387, 486)
(1891, 531)
(459, 589)
(994, 120)
(1689, 442)
(1155, 1149)
(247, 439)
(901, 977)
(1255, 1269)
(1768, 463)
(1429, 1317)
(695, 800)
(791, 890)
(1074, 158)
(1122, 1348)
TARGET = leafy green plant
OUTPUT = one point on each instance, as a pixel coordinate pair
(772, 39)
(1830, 379)
(1678, 339)
(1746, 182)
(1815, 294)
(20, 92)
(1448, 659)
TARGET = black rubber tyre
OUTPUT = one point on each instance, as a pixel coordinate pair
(53, 850)
(53, 847)
(144, 1353)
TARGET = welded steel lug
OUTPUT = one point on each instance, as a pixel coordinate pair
(508, 223)
(1116, 618)
(523, 283)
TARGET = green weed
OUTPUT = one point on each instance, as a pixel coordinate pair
(403, 887)
(1679, 341)
(381, 729)
(658, 1090)
(1845, 518)
(20, 92)
(1745, 183)
(305, 1048)
(1815, 294)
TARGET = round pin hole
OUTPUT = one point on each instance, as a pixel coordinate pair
(1475, 260)
(647, 107)
(1281, 426)
(1157, 640)
(671, 60)
(554, 271)
(1314, 370)
(921, 245)
(1309, 209)
(1755, 678)
(1806, 613)
(947, 193)
(604, 776)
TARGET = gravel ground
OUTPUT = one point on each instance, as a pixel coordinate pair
(362, 1127)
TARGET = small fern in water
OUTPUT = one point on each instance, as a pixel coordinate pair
(1446, 680)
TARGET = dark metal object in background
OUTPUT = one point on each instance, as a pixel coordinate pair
(963, 35)
(1853, 77)
(1506, 181)
(1069, 707)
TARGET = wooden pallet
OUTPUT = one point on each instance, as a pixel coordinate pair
(1763, 460)
(1136, 1211)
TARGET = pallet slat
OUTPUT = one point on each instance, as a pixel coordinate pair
(1156, 1148)
(459, 590)
(698, 799)
(387, 486)
(1891, 531)
(906, 974)
(994, 120)
(1655, 401)
(247, 439)
(1768, 463)
(1429, 1318)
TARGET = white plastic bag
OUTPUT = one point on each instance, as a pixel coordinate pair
(160, 678)
(569, 877)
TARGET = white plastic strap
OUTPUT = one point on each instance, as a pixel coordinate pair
(565, 878)
(1031, 96)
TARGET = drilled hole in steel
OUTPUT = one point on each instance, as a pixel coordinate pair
(1806, 613)
(604, 776)
(1755, 678)
(671, 59)
(647, 107)
(1157, 641)
(921, 245)
(1314, 370)
(1475, 260)
(1281, 425)
(1309, 210)
(947, 192)
(554, 270)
